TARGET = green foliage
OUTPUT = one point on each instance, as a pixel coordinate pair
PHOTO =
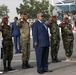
(32, 7)
(3, 11)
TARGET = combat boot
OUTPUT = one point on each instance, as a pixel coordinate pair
(68, 58)
(53, 59)
(9, 66)
(56, 59)
(24, 66)
(5, 68)
(28, 65)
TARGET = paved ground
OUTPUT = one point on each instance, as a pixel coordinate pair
(62, 68)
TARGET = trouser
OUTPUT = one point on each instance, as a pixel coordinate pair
(7, 52)
(68, 46)
(54, 47)
(17, 43)
(25, 52)
(42, 58)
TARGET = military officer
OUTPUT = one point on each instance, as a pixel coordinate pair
(55, 38)
(7, 44)
(25, 40)
(67, 37)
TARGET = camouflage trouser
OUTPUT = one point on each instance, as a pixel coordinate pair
(54, 47)
(68, 46)
(7, 51)
(25, 52)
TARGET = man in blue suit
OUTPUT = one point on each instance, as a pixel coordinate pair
(16, 35)
(41, 43)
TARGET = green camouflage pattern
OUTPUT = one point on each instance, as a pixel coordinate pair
(7, 43)
(55, 38)
(68, 38)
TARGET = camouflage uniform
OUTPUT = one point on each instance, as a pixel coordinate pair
(67, 37)
(55, 39)
(7, 45)
(25, 40)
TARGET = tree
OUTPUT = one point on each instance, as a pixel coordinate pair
(3, 10)
(32, 7)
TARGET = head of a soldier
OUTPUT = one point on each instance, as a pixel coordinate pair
(24, 16)
(53, 18)
(66, 20)
(40, 16)
(5, 20)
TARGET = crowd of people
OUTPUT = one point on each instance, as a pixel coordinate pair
(20, 31)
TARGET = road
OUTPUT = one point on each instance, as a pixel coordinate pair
(62, 68)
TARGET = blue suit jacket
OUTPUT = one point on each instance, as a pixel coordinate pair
(15, 29)
(40, 34)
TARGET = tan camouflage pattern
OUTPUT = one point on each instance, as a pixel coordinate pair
(25, 39)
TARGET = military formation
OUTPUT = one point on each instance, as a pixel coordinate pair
(67, 37)
(7, 43)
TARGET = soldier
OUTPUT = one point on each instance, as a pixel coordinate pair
(55, 38)
(25, 39)
(7, 44)
(67, 37)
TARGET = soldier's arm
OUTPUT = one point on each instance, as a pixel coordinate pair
(61, 25)
(49, 23)
(19, 23)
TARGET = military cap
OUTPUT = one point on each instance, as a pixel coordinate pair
(24, 13)
(4, 19)
(66, 18)
(53, 17)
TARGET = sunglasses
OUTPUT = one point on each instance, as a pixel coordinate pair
(42, 15)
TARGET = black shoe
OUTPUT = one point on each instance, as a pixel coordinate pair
(54, 61)
(5, 69)
(24, 66)
(41, 72)
(29, 66)
(10, 69)
(57, 60)
(20, 52)
(48, 71)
